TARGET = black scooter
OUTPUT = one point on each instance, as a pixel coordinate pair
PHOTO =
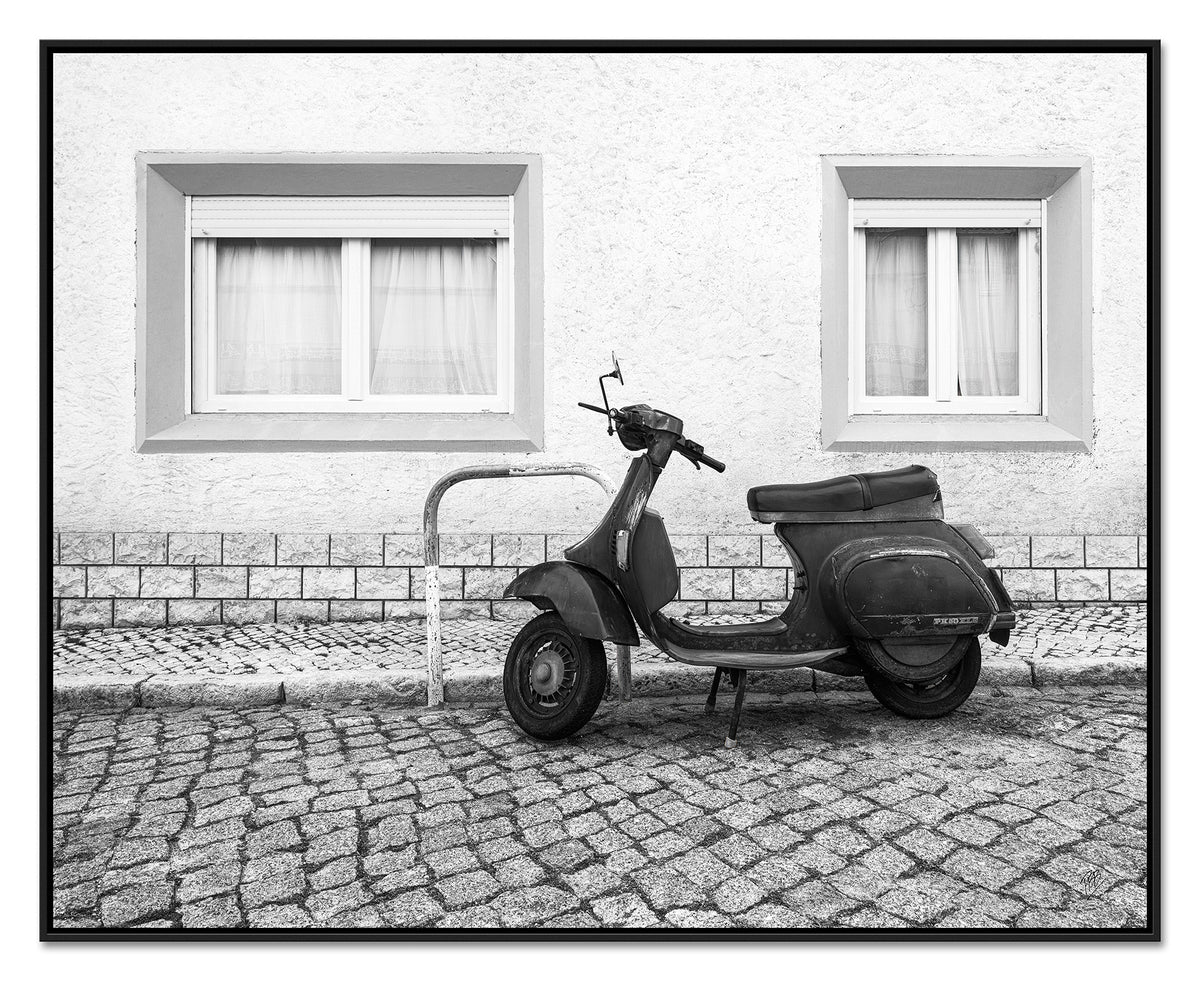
(883, 588)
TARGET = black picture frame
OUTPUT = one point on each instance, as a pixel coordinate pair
(1149, 49)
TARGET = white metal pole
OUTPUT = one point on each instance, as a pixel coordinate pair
(434, 686)
(624, 673)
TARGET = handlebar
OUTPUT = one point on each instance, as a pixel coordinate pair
(708, 461)
(685, 447)
(695, 453)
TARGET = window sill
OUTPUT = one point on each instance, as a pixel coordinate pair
(249, 432)
(938, 434)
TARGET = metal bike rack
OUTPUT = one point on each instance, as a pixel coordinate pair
(433, 620)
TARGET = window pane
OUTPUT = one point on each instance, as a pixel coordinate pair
(433, 317)
(897, 312)
(279, 317)
(988, 314)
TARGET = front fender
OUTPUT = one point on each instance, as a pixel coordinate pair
(588, 603)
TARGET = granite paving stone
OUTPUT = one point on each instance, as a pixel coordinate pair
(1046, 636)
(372, 815)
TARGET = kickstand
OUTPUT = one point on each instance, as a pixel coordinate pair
(711, 704)
(731, 739)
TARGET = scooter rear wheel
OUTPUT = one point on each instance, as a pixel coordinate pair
(928, 699)
(553, 679)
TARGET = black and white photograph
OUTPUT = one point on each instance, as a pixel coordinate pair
(570, 490)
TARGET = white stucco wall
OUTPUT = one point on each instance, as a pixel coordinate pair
(682, 229)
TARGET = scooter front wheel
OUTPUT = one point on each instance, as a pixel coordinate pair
(553, 679)
(928, 699)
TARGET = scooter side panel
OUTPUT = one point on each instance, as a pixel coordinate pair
(911, 587)
(813, 545)
(653, 561)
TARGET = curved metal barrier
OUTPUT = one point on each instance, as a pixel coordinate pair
(433, 620)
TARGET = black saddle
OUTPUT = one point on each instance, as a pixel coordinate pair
(854, 492)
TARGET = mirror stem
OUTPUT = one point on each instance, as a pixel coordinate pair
(607, 410)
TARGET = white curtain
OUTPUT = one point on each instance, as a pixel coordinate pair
(897, 313)
(988, 322)
(279, 304)
(433, 317)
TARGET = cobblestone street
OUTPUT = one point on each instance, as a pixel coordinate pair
(475, 643)
(1024, 809)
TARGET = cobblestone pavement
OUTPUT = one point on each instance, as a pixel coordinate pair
(1050, 632)
(1024, 809)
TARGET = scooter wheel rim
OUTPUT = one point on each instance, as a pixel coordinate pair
(932, 689)
(547, 673)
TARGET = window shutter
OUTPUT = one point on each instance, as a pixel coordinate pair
(350, 217)
(945, 213)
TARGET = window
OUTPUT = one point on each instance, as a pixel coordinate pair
(971, 381)
(319, 302)
(352, 304)
(946, 306)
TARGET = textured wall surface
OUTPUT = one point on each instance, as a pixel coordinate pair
(682, 228)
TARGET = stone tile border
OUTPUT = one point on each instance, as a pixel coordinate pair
(482, 685)
(129, 579)
(297, 663)
(275, 648)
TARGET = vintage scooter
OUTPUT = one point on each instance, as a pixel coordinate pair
(882, 588)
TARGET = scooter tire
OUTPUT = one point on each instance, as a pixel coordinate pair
(562, 713)
(933, 700)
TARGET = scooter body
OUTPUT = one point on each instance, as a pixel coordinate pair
(881, 585)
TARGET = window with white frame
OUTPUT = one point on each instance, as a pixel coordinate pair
(351, 304)
(946, 306)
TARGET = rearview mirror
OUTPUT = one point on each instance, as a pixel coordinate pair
(616, 372)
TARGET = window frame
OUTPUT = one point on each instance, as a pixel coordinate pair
(941, 221)
(355, 343)
(162, 418)
(1066, 421)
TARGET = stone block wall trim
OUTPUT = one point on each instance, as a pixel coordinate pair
(1111, 551)
(1051, 552)
(355, 550)
(193, 549)
(140, 549)
(248, 548)
(156, 579)
(1127, 585)
(85, 548)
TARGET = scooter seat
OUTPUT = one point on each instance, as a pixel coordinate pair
(853, 492)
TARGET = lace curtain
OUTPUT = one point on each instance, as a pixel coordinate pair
(988, 321)
(897, 313)
(433, 317)
(279, 317)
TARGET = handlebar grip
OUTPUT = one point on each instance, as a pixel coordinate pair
(594, 408)
(695, 453)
